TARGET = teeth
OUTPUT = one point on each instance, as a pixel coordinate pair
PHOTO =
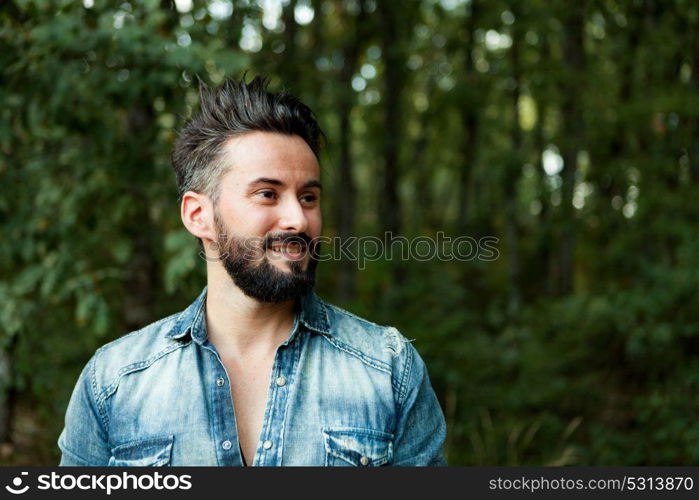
(290, 248)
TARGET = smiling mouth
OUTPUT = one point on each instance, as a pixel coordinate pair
(291, 251)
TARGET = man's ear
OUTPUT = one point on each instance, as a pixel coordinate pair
(197, 213)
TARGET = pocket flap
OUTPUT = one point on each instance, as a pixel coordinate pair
(359, 447)
(150, 452)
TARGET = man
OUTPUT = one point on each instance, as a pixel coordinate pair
(258, 370)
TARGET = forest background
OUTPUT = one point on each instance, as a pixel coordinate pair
(568, 130)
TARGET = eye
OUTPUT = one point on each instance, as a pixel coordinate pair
(267, 194)
(309, 198)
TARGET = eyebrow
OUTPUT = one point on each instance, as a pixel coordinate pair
(312, 184)
(277, 182)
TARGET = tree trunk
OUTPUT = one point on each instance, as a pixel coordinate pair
(313, 87)
(469, 121)
(142, 271)
(512, 176)
(694, 142)
(289, 66)
(573, 130)
(544, 239)
(389, 203)
(6, 389)
(424, 215)
(346, 190)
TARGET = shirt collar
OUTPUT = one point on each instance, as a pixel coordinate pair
(191, 321)
(313, 315)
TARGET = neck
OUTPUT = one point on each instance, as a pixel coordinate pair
(242, 325)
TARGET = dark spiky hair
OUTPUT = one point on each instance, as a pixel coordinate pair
(231, 109)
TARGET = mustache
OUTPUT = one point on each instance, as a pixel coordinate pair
(256, 247)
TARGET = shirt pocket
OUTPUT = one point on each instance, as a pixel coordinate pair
(151, 452)
(351, 446)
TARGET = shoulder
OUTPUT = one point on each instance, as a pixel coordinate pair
(139, 345)
(384, 344)
(140, 349)
(364, 334)
(132, 352)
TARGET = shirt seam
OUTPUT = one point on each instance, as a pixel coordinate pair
(148, 329)
(134, 367)
(374, 363)
(100, 407)
(407, 371)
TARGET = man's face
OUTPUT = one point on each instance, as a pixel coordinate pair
(268, 214)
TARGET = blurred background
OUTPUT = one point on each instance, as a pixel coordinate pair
(567, 130)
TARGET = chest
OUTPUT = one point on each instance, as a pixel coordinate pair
(318, 403)
(249, 386)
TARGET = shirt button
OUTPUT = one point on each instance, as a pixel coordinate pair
(281, 381)
(226, 445)
(220, 381)
(364, 461)
(267, 445)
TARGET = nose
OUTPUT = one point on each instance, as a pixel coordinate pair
(293, 217)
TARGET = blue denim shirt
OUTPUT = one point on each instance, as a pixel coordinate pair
(343, 392)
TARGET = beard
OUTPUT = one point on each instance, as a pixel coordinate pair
(247, 263)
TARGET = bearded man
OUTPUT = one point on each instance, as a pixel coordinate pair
(258, 370)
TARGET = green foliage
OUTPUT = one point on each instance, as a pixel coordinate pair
(528, 372)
